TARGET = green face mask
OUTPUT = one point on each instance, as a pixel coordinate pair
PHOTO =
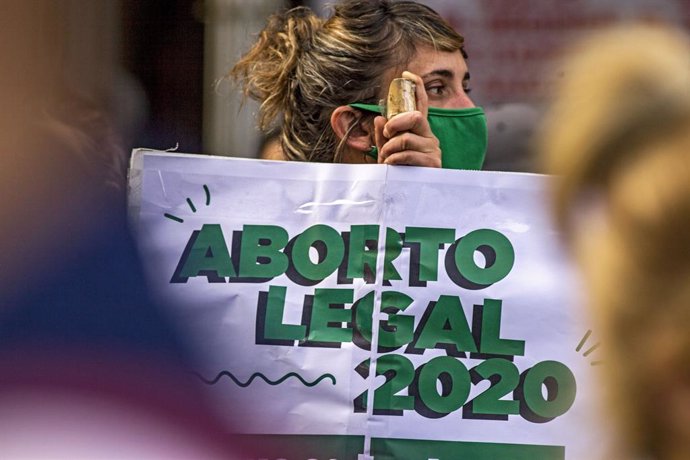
(462, 134)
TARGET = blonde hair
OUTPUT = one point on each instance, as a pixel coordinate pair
(618, 140)
(303, 67)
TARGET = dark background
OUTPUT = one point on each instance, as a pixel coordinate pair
(163, 48)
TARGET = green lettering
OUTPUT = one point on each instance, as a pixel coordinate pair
(490, 341)
(364, 313)
(497, 250)
(273, 326)
(429, 240)
(332, 252)
(394, 246)
(397, 330)
(446, 324)
(323, 314)
(359, 256)
(208, 254)
(261, 255)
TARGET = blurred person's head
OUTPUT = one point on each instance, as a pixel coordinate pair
(307, 70)
(90, 366)
(617, 140)
(60, 165)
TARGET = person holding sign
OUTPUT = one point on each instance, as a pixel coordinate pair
(618, 140)
(324, 79)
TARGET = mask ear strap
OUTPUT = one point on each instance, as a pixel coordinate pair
(378, 109)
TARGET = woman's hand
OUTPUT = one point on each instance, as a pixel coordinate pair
(406, 139)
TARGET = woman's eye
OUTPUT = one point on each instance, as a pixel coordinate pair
(435, 90)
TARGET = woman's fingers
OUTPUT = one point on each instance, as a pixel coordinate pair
(379, 138)
(420, 92)
(414, 122)
(414, 158)
(409, 132)
(409, 141)
(411, 149)
(407, 137)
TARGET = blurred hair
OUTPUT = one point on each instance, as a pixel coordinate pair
(303, 67)
(618, 140)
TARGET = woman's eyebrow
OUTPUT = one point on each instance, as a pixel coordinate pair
(440, 73)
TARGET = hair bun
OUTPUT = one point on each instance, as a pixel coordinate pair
(267, 71)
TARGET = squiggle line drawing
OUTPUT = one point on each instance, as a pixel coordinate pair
(190, 203)
(590, 350)
(266, 379)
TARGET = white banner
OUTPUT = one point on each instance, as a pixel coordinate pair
(350, 311)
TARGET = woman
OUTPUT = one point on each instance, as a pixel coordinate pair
(308, 71)
(618, 140)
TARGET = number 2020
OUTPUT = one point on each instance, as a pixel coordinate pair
(455, 383)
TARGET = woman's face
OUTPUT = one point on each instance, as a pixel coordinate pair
(445, 75)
